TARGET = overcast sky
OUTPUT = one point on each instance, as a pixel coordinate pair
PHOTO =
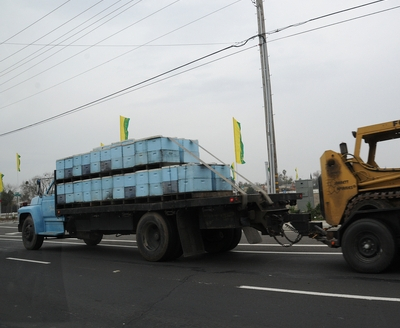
(328, 77)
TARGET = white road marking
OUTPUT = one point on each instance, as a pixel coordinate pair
(25, 260)
(304, 292)
(288, 253)
(13, 233)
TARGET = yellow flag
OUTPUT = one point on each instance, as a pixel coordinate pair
(233, 171)
(1, 182)
(123, 128)
(239, 147)
(18, 163)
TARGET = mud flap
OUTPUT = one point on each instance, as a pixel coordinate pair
(252, 235)
(189, 233)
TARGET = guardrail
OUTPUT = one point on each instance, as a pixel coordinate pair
(8, 216)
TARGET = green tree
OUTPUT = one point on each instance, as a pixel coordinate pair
(8, 205)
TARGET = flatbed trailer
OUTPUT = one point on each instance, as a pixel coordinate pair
(167, 224)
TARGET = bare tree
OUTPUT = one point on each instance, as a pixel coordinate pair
(29, 188)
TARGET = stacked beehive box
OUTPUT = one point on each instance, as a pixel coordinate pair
(136, 168)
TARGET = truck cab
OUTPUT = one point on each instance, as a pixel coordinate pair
(39, 220)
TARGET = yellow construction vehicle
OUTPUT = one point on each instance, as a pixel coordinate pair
(361, 200)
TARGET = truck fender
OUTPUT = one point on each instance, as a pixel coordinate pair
(37, 217)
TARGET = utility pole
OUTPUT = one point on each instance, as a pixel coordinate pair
(272, 171)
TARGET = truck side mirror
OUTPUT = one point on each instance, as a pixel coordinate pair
(39, 188)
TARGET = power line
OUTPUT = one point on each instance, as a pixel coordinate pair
(29, 44)
(143, 83)
(121, 55)
(35, 22)
(323, 16)
(114, 94)
(333, 24)
(66, 47)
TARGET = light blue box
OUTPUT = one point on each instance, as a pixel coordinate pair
(220, 185)
(60, 164)
(77, 171)
(60, 189)
(117, 163)
(194, 171)
(160, 143)
(95, 156)
(140, 146)
(69, 198)
(141, 158)
(68, 163)
(78, 197)
(119, 193)
(142, 190)
(87, 185)
(105, 153)
(95, 167)
(60, 174)
(128, 161)
(155, 176)
(77, 160)
(194, 185)
(128, 148)
(142, 177)
(85, 159)
(106, 183)
(130, 180)
(193, 147)
(69, 188)
(78, 186)
(87, 196)
(163, 156)
(224, 170)
(169, 173)
(116, 151)
(156, 189)
(95, 184)
(118, 181)
(96, 195)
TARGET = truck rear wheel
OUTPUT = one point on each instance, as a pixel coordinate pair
(368, 246)
(94, 239)
(219, 240)
(157, 238)
(31, 240)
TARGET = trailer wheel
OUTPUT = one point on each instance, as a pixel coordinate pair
(157, 238)
(218, 240)
(368, 246)
(31, 240)
(94, 239)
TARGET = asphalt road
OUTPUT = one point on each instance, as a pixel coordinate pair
(68, 284)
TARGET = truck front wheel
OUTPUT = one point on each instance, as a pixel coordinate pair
(368, 246)
(31, 240)
(157, 238)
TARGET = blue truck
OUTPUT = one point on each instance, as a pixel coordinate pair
(159, 189)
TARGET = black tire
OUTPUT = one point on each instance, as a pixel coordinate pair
(94, 239)
(157, 238)
(218, 240)
(237, 236)
(31, 240)
(368, 246)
